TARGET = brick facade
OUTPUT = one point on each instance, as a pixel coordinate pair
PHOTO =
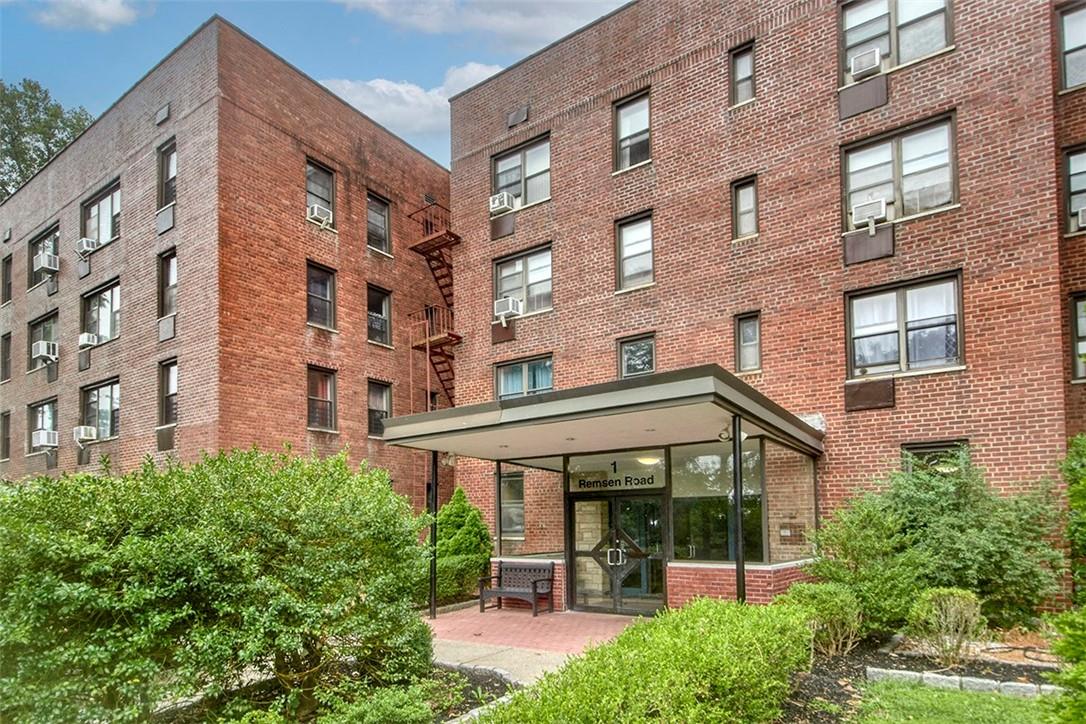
(244, 122)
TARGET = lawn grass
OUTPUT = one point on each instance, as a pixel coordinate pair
(887, 701)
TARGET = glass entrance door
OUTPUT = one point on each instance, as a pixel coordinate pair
(618, 554)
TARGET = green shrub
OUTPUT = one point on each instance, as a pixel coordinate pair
(354, 703)
(711, 661)
(863, 547)
(118, 593)
(458, 577)
(1074, 474)
(834, 611)
(944, 621)
(463, 549)
(1070, 645)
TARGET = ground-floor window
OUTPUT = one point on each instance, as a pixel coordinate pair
(512, 505)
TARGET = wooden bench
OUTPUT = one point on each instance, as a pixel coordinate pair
(525, 580)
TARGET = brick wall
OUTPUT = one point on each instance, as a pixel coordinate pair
(684, 582)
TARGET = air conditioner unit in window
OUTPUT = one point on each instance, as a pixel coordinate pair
(85, 246)
(320, 215)
(85, 433)
(1082, 219)
(507, 307)
(501, 202)
(865, 64)
(44, 261)
(44, 438)
(43, 349)
(868, 212)
(86, 339)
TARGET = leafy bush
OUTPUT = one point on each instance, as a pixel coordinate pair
(863, 547)
(1070, 646)
(944, 620)
(118, 593)
(1074, 474)
(710, 661)
(463, 548)
(835, 614)
(458, 577)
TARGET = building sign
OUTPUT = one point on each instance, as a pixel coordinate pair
(617, 472)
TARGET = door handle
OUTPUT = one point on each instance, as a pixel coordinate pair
(610, 553)
(621, 557)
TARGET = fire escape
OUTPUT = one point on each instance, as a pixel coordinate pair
(432, 329)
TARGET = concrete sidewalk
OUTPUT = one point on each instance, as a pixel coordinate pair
(523, 666)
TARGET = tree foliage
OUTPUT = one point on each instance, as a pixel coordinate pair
(1074, 474)
(33, 128)
(463, 548)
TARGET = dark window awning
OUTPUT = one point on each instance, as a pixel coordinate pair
(669, 408)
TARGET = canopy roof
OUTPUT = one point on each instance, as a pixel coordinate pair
(668, 408)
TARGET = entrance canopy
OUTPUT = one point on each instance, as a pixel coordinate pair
(669, 408)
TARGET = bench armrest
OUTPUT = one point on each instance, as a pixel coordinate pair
(541, 580)
(488, 578)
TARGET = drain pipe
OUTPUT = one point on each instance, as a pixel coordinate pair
(432, 494)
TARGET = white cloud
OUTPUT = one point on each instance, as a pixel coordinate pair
(408, 109)
(517, 25)
(100, 15)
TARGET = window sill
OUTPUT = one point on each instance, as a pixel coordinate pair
(748, 373)
(111, 438)
(321, 226)
(375, 250)
(521, 208)
(375, 437)
(907, 373)
(745, 103)
(536, 313)
(744, 239)
(903, 66)
(904, 219)
(631, 168)
(1066, 234)
(635, 289)
(35, 453)
(100, 344)
(1080, 381)
(504, 537)
(380, 344)
(43, 282)
(4, 304)
(98, 248)
(5, 460)
(321, 327)
(322, 430)
(1072, 89)
(166, 427)
(163, 208)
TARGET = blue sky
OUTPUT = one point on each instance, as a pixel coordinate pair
(397, 60)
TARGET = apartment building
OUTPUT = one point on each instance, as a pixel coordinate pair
(805, 235)
(223, 259)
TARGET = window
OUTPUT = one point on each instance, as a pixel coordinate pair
(322, 399)
(902, 30)
(167, 175)
(102, 216)
(5, 357)
(912, 172)
(909, 328)
(744, 208)
(102, 312)
(379, 322)
(102, 409)
(380, 407)
(167, 393)
(1073, 43)
(512, 505)
(5, 280)
(44, 244)
(167, 284)
(1076, 188)
(748, 342)
(41, 416)
(516, 379)
(525, 173)
(635, 252)
(742, 74)
(321, 296)
(940, 456)
(632, 132)
(637, 356)
(43, 329)
(5, 436)
(377, 226)
(1078, 338)
(526, 277)
(320, 187)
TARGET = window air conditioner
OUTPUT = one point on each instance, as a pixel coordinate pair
(507, 307)
(43, 349)
(501, 202)
(44, 261)
(868, 212)
(320, 215)
(85, 246)
(44, 438)
(85, 433)
(865, 64)
(86, 339)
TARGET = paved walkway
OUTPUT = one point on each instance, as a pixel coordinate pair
(510, 639)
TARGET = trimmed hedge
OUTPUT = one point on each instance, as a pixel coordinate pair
(835, 614)
(710, 661)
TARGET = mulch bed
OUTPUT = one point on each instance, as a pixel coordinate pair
(481, 687)
(831, 691)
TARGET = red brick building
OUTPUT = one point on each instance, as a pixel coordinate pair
(860, 210)
(228, 311)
